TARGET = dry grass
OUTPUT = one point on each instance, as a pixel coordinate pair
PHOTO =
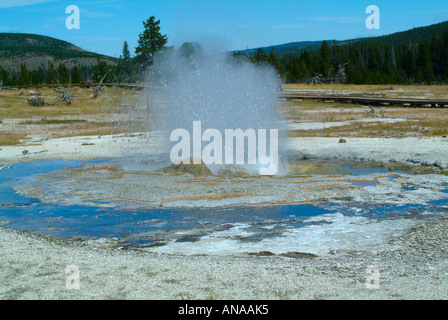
(8, 138)
(84, 116)
(50, 122)
(14, 103)
(419, 128)
(419, 122)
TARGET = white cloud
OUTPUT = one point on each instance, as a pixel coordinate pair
(21, 3)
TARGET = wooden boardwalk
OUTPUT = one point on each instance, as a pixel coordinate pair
(370, 101)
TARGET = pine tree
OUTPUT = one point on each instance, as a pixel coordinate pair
(126, 53)
(304, 73)
(75, 75)
(336, 55)
(425, 70)
(4, 77)
(259, 57)
(274, 60)
(51, 74)
(63, 74)
(444, 55)
(34, 78)
(101, 70)
(324, 63)
(387, 63)
(150, 42)
(374, 61)
(40, 74)
(125, 66)
(24, 78)
(436, 53)
(306, 57)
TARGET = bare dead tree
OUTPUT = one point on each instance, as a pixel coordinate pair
(316, 79)
(66, 96)
(99, 87)
(63, 91)
(339, 77)
(373, 112)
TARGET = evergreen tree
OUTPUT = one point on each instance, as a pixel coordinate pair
(259, 57)
(34, 78)
(24, 78)
(387, 65)
(324, 62)
(63, 74)
(274, 60)
(336, 55)
(374, 61)
(75, 75)
(444, 55)
(424, 65)
(102, 69)
(40, 74)
(304, 73)
(436, 53)
(150, 42)
(126, 53)
(125, 68)
(52, 76)
(4, 77)
(306, 57)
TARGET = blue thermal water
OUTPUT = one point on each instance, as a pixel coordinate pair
(152, 225)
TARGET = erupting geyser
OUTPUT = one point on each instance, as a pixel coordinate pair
(222, 94)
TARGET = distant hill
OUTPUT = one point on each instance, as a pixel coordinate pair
(287, 48)
(37, 51)
(413, 35)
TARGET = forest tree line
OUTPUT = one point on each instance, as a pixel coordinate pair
(370, 61)
(366, 62)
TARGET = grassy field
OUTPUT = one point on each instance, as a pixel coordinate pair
(110, 113)
(85, 115)
(14, 103)
(416, 122)
(413, 122)
(378, 130)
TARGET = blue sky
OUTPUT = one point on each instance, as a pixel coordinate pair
(230, 24)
